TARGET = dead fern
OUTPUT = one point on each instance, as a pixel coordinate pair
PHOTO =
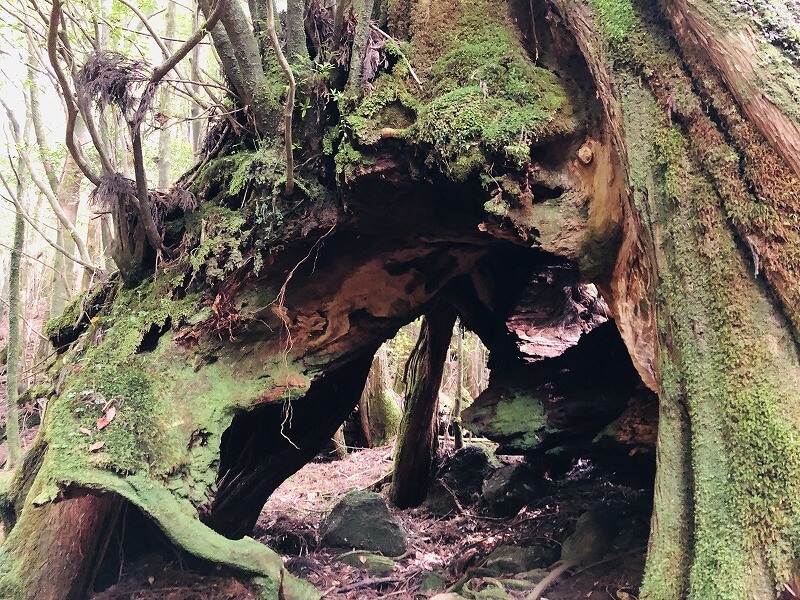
(109, 78)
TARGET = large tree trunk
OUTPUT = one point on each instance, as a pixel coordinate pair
(618, 146)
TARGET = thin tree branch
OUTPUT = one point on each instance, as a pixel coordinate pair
(48, 193)
(66, 91)
(190, 43)
(24, 320)
(163, 47)
(32, 222)
(288, 108)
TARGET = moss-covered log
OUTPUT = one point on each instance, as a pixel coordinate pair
(616, 142)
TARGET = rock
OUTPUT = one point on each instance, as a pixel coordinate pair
(508, 489)
(518, 559)
(534, 575)
(594, 533)
(361, 520)
(432, 581)
(374, 563)
(485, 588)
(460, 474)
(464, 472)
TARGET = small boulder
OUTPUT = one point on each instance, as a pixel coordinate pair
(508, 489)
(464, 472)
(374, 563)
(361, 520)
(432, 581)
(459, 478)
(518, 559)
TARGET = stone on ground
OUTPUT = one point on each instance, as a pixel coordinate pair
(460, 477)
(518, 559)
(508, 489)
(362, 521)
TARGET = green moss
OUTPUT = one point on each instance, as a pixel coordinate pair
(488, 99)
(517, 421)
(236, 173)
(66, 327)
(617, 18)
(221, 238)
(482, 100)
(348, 160)
(715, 319)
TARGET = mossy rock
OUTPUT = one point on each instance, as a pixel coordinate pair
(362, 521)
(485, 588)
(519, 559)
(65, 328)
(432, 581)
(374, 563)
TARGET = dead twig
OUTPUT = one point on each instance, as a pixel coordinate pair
(366, 583)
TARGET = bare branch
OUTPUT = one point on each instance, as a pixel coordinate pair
(190, 43)
(32, 222)
(163, 47)
(289, 107)
(66, 91)
(48, 193)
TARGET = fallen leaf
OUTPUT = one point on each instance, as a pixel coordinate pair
(151, 580)
(96, 446)
(85, 431)
(109, 415)
(362, 559)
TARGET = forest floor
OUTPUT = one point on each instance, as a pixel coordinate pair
(454, 545)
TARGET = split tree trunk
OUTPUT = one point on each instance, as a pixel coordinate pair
(680, 191)
(417, 439)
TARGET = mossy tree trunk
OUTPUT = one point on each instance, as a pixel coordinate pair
(417, 440)
(378, 408)
(708, 267)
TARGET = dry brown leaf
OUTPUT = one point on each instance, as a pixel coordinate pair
(85, 431)
(96, 446)
(109, 415)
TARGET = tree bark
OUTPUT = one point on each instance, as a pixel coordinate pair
(417, 439)
(165, 134)
(378, 409)
(14, 352)
(458, 434)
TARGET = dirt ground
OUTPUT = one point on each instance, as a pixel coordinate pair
(453, 545)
